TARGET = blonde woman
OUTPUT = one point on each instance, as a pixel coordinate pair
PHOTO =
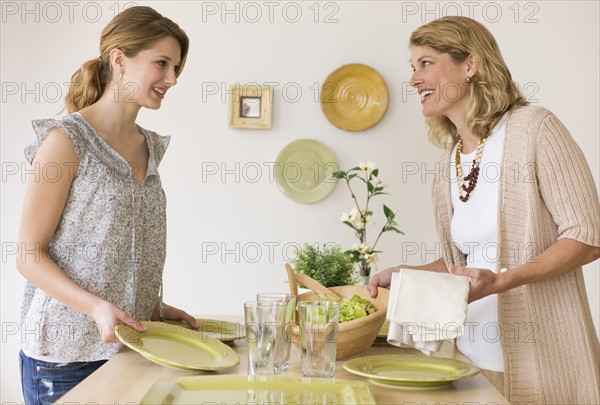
(93, 242)
(520, 237)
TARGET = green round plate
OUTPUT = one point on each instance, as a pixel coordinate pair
(177, 347)
(410, 371)
(303, 171)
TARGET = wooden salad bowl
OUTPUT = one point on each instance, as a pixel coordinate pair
(355, 336)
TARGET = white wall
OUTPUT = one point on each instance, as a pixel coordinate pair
(551, 47)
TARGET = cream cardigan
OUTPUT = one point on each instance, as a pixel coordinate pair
(546, 192)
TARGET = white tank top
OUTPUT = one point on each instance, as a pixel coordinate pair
(474, 229)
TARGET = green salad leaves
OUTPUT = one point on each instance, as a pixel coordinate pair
(353, 308)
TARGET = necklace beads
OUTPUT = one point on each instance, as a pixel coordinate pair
(467, 183)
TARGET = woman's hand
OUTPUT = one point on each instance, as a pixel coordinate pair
(108, 316)
(381, 279)
(483, 282)
(384, 278)
(175, 314)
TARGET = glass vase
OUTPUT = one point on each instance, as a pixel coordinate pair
(361, 274)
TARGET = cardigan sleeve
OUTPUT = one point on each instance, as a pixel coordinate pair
(566, 183)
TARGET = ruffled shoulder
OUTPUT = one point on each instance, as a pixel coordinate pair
(85, 140)
(157, 145)
(71, 128)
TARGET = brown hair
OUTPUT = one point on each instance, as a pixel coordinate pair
(133, 30)
(492, 91)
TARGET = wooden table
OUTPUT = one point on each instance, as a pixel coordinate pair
(128, 376)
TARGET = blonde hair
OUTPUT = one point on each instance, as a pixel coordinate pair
(133, 30)
(492, 90)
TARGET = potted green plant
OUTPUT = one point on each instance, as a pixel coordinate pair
(329, 264)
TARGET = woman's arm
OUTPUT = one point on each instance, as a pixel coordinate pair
(561, 257)
(384, 278)
(566, 185)
(44, 203)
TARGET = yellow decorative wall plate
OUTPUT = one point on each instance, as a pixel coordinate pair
(354, 97)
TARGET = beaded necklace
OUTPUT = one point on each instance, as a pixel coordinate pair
(471, 178)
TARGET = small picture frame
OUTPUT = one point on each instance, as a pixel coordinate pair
(250, 106)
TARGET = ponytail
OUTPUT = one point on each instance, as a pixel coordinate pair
(87, 85)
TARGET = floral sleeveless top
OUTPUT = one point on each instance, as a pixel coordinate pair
(110, 240)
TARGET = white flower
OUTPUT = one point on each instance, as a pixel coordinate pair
(377, 182)
(371, 258)
(366, 167)
(363, 248)
(354, 214)
(364, 220)
(345, 217)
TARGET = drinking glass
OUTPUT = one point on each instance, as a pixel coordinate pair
(289, 300)
(265, 323)
(319, 325)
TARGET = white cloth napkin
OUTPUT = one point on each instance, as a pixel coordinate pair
(425, 308)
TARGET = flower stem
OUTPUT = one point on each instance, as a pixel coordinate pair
(379, 236)
(362, 237)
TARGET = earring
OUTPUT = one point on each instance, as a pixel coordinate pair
(468, 79)
(120, 75)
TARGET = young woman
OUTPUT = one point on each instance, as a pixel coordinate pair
(93, 238)
(521, 237)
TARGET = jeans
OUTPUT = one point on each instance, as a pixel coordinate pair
(44, 383)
